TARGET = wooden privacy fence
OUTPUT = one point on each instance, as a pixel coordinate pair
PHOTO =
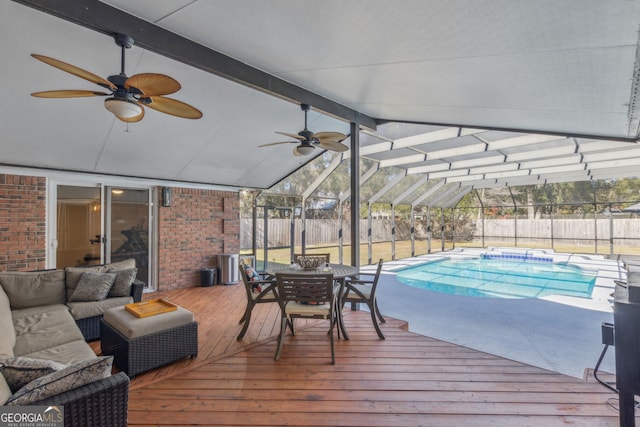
(319, 232)
(624, 231)
(326, 232)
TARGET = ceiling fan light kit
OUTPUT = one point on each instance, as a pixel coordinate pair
(122, 109)
(128, 94)
(304, 150)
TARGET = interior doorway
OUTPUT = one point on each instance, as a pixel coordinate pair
(103, 224)
(78, 226)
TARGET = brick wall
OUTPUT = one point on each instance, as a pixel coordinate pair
(22, 222)
(198, 225)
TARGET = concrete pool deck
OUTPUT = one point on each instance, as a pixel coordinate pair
(561, 334)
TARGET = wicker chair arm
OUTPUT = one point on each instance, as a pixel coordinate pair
(136, 290)
(102, 403)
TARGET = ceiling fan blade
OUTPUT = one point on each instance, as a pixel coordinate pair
(292, 135)
(151, 84)
(133, 119)
(76, 71)
(276, 143)
(329, 136)
(331, 141)
(333, 146)
(172, 107)
(67, 94)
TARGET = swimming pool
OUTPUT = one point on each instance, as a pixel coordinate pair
(501, 276)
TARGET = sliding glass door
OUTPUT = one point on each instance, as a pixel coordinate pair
(102, 224)
(127, 227)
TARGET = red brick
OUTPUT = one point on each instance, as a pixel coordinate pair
(191, 232)
(23, 222)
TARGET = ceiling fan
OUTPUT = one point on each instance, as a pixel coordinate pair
(127, 95)
(307, 141)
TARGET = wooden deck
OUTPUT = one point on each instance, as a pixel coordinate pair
(405, 380)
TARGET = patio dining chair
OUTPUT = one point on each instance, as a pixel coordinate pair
(260, 288)
(310, 296)
(358, 290)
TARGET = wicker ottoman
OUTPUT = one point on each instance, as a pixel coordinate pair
(141, 344)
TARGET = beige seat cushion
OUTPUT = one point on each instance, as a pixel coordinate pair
(122, 265)
(307, 309)
(39, 328)
(131, 326)
(7, 332)
(5, 391)
(83, 310)
(71, 352)
(34, 289)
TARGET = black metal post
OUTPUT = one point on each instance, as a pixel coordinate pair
(355, 191)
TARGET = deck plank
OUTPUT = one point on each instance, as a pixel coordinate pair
(405, 380)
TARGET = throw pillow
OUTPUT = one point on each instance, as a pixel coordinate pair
(69, 378)
(93, 286)
(252, 276)
(19, 371)
(74, 274)
(250, 272)
(122, 284)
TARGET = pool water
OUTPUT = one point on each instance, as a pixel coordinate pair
(500, 277)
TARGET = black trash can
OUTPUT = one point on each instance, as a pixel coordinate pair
(207, 277)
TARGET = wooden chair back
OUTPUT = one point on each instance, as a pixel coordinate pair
(305, 288)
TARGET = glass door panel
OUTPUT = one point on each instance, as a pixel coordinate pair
(127, 223)
(78, 226)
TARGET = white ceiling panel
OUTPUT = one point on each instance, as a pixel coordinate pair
(463, 77)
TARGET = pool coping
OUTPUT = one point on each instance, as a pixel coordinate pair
(606, 271)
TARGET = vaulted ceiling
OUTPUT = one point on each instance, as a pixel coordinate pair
(505, 86)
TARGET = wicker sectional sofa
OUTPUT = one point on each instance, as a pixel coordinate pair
(44, 356)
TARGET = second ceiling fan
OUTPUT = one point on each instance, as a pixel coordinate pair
(307, 141)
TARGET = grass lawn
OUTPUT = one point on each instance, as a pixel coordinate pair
(403, 250)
